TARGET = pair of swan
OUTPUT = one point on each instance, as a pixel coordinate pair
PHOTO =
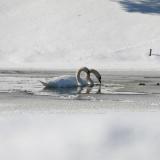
(69, 81)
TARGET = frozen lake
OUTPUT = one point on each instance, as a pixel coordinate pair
(119, 120)
(114, 84)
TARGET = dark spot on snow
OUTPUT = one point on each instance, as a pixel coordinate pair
(141, 6)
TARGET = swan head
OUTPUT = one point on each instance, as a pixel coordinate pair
(97, 74)
(84, 69)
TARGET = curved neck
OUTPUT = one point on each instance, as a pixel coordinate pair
(97, 74)
(78, 77)
(79, 80)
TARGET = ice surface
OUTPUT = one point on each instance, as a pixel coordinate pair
(117, 123)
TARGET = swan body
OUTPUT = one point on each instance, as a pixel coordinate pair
(65, 81)
(68, 81)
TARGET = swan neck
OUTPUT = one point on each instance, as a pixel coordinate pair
(79, 80)
(78, 77)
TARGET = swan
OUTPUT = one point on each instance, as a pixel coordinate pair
(68, 81)
(97, 75)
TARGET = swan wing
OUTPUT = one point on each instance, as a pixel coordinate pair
(63, 82)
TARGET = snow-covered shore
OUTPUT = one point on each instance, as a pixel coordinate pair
(68, 34)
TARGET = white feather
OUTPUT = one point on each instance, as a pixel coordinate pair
(65, 81)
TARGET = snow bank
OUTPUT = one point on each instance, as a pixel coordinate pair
(51, 34)
(121, 136)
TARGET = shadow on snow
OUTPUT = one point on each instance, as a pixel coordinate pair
(142, 6)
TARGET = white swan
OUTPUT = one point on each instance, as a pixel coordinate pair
(70, 81)
(97, 74)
